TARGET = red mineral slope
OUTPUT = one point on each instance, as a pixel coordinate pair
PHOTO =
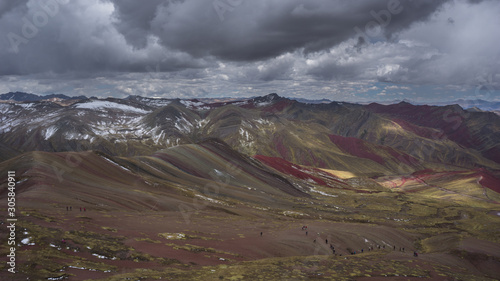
(280, 147)
(278, 106)
(401, 157)
(487, 179)
(424, 173)
(450, 119)
(377, 153)
(356, 147)
(308, 158)
(493, 153)
(288, 168)
(419, 131)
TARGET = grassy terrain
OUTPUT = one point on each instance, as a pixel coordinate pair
(98, 245)
(197, 212)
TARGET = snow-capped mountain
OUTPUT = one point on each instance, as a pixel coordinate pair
(371, 138)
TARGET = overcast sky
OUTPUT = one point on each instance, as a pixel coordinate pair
(362, 50)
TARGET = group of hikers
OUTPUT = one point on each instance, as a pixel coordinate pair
(70, 208)
(370, 248)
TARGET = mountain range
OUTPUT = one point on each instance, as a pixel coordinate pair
(467, 104)
(371, 139)
(401, 175)
(21, 96)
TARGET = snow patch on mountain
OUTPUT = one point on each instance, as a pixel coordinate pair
(155, 102)
(158, 102)
(5, 122)
(246, 140)
(121, 126)
(78, 136)
(321, 192)
(27, 241)
(27, 105)
(263, 121)
(211, 199)
(47, 133)
(183, 125)
(158, 137)
(201, 123)
(114, 163)
(244, 133)
(193, 104)
(100, 105)
(261, 104)
(4, 108)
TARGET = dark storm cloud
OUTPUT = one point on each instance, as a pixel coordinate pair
(79, 36)
(262, 29)
(7, 6)
(134, 19)
(232, 46)
(141, 36)
(411, 12)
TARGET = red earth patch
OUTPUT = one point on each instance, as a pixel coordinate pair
(288, 168)
(278, 106)
(450, 120)
(419, 131)
(356, 147)
(487, 179)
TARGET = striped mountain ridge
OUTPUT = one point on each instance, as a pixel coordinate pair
(371, 140)
(139, 188)
(162, 181)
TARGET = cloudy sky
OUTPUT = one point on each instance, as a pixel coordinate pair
(422, 50)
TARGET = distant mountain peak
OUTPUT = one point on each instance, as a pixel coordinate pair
(28, 97)
(19, 96)
(273, 96)
(270, 98)
(405, 102)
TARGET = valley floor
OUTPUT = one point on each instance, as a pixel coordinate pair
(212, 243)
